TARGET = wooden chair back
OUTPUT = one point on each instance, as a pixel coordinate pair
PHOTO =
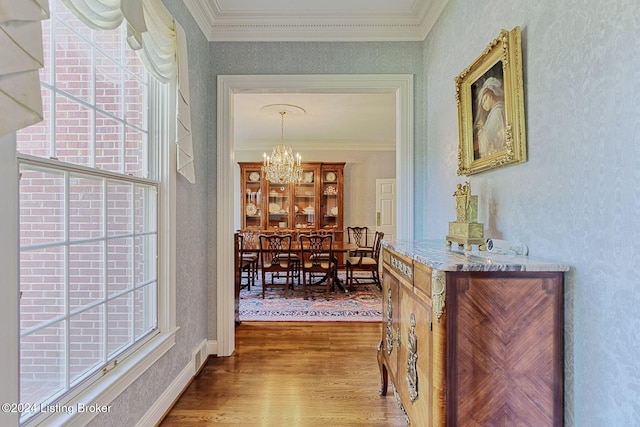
(377, 244)
(244, 268)
(250, 236)
(275, 252)
(358, 235)
(317, 259)
(317, 252)
(276, 258)
(324, 232)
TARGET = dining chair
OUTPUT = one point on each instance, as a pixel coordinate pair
(323, 232)
(295, 259)
(245, 267)
(359, 236)
(317, 261)
(250, 240)
(276, 258)
(367, 263)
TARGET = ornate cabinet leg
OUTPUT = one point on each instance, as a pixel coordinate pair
(384, 377)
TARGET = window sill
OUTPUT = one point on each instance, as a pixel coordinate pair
(96, 399)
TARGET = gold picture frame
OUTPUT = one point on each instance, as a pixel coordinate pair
(490, 100)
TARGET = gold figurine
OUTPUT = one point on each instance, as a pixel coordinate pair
(466, 230)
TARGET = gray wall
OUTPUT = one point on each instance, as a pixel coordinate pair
(577, 198)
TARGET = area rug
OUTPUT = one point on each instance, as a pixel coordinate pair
(363, 304)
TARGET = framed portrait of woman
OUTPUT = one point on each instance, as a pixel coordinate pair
(490, 101)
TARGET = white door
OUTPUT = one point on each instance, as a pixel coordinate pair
(386, 207)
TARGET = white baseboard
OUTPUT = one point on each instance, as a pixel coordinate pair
(212, 347)
(198, 357)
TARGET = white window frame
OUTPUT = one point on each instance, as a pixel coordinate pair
(9, 293)
(103, 391)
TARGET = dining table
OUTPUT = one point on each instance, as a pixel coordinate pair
(340, 250)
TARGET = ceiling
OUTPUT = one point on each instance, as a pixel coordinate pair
(358, 121)
(364, 121)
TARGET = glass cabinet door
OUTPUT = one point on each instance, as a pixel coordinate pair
(315, 202)
(306, 198)
(331, 197)
(252, 203)
(279, 205)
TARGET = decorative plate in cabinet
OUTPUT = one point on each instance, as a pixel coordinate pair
(251, 209)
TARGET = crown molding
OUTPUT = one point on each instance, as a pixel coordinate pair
(289, 26)
(430, 16)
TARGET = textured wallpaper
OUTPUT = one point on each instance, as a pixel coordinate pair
(577, 198)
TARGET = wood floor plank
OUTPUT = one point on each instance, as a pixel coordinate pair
(292, 374)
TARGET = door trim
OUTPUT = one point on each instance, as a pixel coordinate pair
(228, 85)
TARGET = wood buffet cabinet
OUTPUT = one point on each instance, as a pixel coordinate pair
(314, 203)
(472, 338)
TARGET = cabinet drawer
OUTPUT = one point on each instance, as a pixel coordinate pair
(400, 265)
(422, 280)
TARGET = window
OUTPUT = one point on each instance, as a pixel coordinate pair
(90, 179)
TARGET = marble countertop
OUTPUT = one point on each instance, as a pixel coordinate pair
(435, 254)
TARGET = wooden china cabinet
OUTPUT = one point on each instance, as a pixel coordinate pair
(251, 196)
(314, 203)
(332, 198)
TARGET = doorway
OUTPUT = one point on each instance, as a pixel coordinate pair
(227, 86)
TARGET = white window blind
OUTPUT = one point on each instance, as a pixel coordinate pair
(21, 47)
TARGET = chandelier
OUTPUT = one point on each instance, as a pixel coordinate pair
(282, 166)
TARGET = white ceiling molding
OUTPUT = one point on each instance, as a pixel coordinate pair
(302, 146)
(313, 21)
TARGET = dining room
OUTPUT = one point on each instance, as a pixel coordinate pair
(286, 275)
(344, 143)
(354, 128)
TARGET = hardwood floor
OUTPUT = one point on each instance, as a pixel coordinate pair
(292, 374)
